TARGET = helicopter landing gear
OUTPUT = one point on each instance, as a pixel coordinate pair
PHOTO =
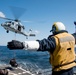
(7, 31)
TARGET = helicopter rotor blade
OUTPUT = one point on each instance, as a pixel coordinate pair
(6, 18)
(17, 11)
(28, 21)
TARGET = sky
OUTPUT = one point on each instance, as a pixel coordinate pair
(39, 16)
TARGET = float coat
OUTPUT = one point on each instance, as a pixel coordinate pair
(63, 56)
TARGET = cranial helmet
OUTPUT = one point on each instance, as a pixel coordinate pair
(57, 26)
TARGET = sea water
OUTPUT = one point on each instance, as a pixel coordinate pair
(36, 62)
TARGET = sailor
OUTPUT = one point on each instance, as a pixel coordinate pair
(60, 45)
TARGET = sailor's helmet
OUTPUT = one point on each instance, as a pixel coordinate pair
(57, 26)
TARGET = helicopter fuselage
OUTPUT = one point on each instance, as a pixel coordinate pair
(15, 27)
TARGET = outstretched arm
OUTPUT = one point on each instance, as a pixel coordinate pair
(27, 45)
(38, 45)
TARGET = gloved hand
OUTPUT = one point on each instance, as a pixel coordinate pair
(14, 44)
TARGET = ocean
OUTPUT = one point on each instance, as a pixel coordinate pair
(36, 62)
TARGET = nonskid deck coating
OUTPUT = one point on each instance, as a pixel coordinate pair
(15, 71)
(19, 70)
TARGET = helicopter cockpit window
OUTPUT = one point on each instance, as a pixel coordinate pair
(8, 23)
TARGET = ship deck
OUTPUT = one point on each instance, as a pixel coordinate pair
(15, 71)
(19, 70)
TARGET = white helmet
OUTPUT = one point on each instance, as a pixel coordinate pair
(57, 26)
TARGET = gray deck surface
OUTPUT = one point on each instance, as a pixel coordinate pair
(15, 71)
(19, 70)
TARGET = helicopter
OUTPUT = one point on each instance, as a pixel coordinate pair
(15, 25)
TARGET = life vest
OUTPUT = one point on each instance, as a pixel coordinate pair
(63, 56)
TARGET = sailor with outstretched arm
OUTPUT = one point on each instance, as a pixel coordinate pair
(60, 46)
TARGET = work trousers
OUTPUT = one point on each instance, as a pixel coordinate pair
(63, 72)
